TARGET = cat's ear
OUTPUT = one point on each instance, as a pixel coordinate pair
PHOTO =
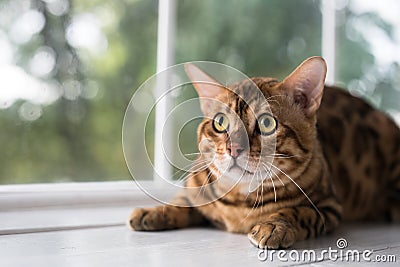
(306, 84)
(207, 87)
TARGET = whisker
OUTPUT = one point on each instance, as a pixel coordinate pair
(183, 176)
(196, 153)
(180, 170)
(202, 189)
(272, 181)
(251, 182)
(196, 167)
(281, 156)
(253, 207)
(304, 193)
(269, 170)
(198, 163)
(262, 193)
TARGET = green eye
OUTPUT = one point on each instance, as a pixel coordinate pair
(267, 124)
(221, 123)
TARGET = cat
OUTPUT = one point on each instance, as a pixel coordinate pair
(335, 157)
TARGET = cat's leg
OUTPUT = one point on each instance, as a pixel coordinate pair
(283, 228)
(181, 212)
(165, 217)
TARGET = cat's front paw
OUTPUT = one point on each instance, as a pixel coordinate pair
(273, 235)
(150, 219)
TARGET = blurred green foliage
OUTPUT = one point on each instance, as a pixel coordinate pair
(80, 139)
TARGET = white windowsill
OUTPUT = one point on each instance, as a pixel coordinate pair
(83, 224)
(55, 207)
(118, 246)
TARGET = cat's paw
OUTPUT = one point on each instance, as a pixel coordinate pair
(273, 235)
(150, 219)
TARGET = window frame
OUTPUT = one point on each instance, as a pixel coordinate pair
(39, 196)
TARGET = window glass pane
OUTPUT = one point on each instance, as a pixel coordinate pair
(68, 69)
(257, 37)
(368, 54)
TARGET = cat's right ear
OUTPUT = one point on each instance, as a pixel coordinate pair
(306, 84)
(207, 88)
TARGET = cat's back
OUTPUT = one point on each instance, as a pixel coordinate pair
(362, 148)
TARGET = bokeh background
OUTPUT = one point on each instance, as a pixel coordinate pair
(68, 68)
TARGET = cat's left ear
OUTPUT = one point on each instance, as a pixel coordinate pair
(207, 87)
(306, 84)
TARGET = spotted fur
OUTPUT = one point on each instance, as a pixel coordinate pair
(334, 160)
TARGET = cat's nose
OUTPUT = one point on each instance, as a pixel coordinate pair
(234, 150)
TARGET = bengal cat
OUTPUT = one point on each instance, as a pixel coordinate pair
(335, 158)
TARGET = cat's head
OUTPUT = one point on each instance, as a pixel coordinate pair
(254, 123)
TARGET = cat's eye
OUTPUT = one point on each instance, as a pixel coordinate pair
(267, 124)
(221, 123)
